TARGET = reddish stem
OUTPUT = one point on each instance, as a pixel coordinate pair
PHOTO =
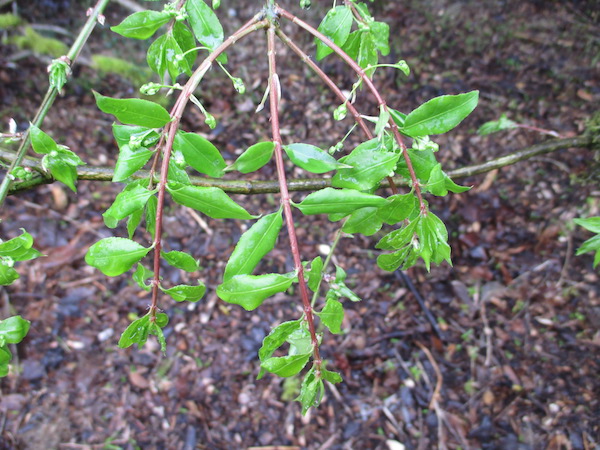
(369, 83)
(176, 113)
(285, 196)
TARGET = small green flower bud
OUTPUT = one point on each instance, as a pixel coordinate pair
(210, 121)
(340, 112)
(239, 86)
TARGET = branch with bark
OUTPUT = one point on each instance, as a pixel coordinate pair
(101, 173)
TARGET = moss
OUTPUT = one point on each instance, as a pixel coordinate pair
(32, 40)
(132, 72)
(8, 21)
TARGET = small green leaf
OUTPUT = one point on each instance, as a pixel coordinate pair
(277, 337)
(185, 39)
(249, 291)
(141, 25)
(134, 111)
(136, 333)
(211, 201)
(330, 201)
(253, 158)
(177, 173)
(19, 248)
(160, 336)
(7, 274)
(204, 23)
(332, 377)
(365, 221)
(115, 256)
(312, 158)
(186, 293)
(370, 164)
(140, 276)
(591, 223)
(181, 260)
(591, 245)
(311, 391)
(254, 245)
(433, 240)
(62, 164)
(380, 31)
(133, 221)
(398, 208)
(130, 161)
(315, 274)
(150, 215)
(285, 366)
(336, 26)
(40, 141)
(200, 153)
(494, 126)
(128, 201)
(13, 330)
(367, 53)
(439, 115)
(332, 315)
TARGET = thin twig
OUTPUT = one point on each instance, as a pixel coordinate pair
(251, 187)
(285, 196)
(428, 314)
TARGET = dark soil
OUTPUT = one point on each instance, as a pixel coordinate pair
(518, 360)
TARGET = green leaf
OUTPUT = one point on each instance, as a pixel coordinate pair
(336, 26)
(433, 240)
(402, 240)
(204, 23)
(398, 208)
(160, 336)
(177, 173)
(380, 31)
(253, 158)
(115, 256)
(186, 293)
(130, 161)
(200, 153)
(180, 260)
(332, 377)
(141, 25)
(591, 245)
(496, 125)
(352, 45)
(315, 274)
(311, 391)
(300, 341)
(133, 221)
(285, 366)
(249, 291)
(211, 201)
(19, 248)
(128, 201)
(591, 223)
(134, 111)
(150, 215)
(330, 201)
(312, 158)
(7, 274)
(439, 183)
(365, 221)
(332, 315)
(367, 53)
(136, 333)
(13, 330)
(277, 337)
(439, 115)
(40, 141)
(254, 244)
(140, 276)
(370, 164)
(185, 39)
(62, 165)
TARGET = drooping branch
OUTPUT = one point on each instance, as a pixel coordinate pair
(285, 196)
(251, 187)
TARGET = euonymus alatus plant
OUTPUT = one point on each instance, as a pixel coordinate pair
(188, 41)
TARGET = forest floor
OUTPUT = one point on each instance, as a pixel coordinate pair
(517, 362)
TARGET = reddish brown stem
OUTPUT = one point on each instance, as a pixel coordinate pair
(285, 196)
(176, 113)
(369, 83)
(335, 89)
